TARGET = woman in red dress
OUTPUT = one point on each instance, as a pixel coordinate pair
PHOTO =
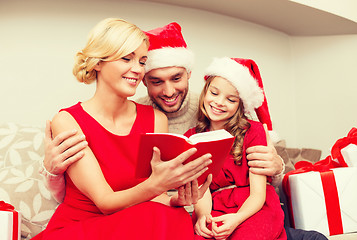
(103, 198)
(241, 205)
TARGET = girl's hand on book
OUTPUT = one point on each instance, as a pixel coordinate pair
(201, 228)
(173, 174)
(190, 193)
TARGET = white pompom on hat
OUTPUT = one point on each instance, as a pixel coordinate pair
(168, 48)
(245, 77)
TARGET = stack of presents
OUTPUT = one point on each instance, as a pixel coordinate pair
(321, 196)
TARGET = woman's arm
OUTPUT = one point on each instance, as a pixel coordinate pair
(60, 152)
(88, 177)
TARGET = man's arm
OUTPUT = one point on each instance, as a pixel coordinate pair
(60, 153)
(264, 160)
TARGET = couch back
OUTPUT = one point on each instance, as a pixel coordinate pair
(21, 185)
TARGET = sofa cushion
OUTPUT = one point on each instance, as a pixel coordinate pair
(21, 185)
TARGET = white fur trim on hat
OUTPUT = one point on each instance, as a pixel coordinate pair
(249, 91)
(170, 57)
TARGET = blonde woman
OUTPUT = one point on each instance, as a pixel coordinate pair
(103, 198)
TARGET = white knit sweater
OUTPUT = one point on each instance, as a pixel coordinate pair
(182, 120)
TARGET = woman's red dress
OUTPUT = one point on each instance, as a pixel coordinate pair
(78, 217)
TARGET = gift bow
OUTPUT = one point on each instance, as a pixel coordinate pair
(329, 188)
(15, 226)
(306, 166)
(342, 143)
(6, 206)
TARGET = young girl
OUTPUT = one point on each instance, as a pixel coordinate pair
(241, 205)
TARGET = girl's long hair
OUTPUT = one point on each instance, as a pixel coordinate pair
(237, 125)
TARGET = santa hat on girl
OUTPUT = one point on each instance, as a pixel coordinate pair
(168, 48)
(245, 77)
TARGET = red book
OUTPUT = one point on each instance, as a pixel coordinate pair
(218, 143)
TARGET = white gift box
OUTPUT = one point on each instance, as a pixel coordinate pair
(308, 200)
(349, 154)
(7, 226)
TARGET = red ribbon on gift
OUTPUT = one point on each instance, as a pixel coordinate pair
(329, 187)
(15, 224)
(341, 144)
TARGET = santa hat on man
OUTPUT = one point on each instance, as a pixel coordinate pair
(245, 77)
(168, 48)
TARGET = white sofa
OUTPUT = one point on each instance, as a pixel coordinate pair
(22, 150)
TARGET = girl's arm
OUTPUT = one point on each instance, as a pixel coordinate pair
(252, 205)
(256, 199)
(203, 213)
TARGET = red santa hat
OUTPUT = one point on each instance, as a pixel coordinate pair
(168, 48)
(245, 77)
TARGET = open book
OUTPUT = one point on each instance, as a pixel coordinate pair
(218, 143)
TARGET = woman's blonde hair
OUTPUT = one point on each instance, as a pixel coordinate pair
(237, 125)
(110, 40)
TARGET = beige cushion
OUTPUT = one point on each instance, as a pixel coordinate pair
(21, 185)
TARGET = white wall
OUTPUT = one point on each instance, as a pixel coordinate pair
(39, 39)
(326, 87)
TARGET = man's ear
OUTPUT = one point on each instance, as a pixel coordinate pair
(98, 66)
(188, 75)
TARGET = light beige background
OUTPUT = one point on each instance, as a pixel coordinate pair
(310, 81)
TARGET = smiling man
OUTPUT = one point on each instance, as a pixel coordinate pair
(167, 73)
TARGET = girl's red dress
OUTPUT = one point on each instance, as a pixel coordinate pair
(78, 217)
(268, 223)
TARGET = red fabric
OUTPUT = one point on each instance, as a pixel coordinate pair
(262, 111)
(341, 144)
(268, 223)
(78, 218)
(167, 36)
(332, 202)
(15, 222)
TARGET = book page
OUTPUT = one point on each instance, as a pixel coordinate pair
(209, 136)
(171, 134)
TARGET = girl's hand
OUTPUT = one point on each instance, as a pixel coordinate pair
(223, 226)
(190, 193)
(201, 226)
(173, 174)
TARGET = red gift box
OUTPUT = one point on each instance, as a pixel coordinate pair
(10, 222)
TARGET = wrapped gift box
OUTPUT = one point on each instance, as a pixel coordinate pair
(308, 201)
(349, 154)
(10, 224)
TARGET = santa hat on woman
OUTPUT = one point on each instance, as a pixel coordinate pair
(168, 48)
(245, 77)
